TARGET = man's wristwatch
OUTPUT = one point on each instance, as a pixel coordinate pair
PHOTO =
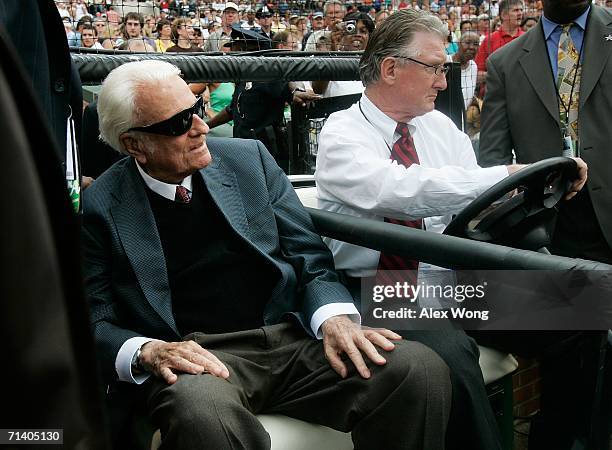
(137, 367)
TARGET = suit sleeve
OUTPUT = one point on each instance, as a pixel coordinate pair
(317, 281)
(108, 334)
(495, 137)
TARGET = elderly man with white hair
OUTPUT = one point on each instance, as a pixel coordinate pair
(213, 299)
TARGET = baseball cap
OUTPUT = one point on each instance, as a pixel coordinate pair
(317, 14)
(248, 36)
(231, 5)
(264, 12)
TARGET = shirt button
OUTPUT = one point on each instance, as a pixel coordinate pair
(59, 85)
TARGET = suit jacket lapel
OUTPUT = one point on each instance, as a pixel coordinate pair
(535, 64)
(224, 190)
(597, 51)
(138, 234)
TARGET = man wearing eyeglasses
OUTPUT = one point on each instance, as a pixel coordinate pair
(334, 11)
(392, 157)
(213, 296)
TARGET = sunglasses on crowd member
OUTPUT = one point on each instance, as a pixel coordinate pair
(178, 124)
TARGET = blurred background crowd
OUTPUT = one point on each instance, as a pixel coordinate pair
(476, 28)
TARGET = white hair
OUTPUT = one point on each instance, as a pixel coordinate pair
(117, 109)
(330, 3)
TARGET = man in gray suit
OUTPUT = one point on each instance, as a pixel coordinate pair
(203, 270)
(522, 114)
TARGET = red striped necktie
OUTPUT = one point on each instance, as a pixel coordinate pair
(182, 194)
(404, 153)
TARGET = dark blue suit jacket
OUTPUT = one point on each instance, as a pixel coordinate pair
(126, 276)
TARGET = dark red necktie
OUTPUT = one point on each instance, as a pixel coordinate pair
(403, 152)
(182, 195)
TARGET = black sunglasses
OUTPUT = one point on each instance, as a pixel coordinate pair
(178, 124)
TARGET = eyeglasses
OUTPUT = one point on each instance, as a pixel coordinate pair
(178, 124)
(438, 69)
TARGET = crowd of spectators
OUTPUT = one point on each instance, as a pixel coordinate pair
(212, 20)
(475, 28)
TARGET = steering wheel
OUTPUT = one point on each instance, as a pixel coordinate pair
(525, 219)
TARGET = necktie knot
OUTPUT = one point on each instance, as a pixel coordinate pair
(565, 28)
(402, 130)
(182, 195)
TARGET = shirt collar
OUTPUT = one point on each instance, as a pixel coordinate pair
(550, 26)
(159, 187)
(384, 124)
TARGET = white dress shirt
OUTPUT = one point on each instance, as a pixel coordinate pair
(344, 87)
(469, 77)
(123, 361)
(356, 176)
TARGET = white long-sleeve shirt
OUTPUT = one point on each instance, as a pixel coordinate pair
(356, 176)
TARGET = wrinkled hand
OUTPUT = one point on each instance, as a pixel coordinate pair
(341, 335)
(166, 359)
(303, 98)
(579, 182)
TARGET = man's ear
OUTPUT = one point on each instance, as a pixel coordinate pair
(388, 68)
(133, 147)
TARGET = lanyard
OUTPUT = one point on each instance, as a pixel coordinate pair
(372, 125)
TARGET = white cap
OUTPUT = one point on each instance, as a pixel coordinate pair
(230, 5)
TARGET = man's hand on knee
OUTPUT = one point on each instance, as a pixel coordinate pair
(341, 335)
(166, 359)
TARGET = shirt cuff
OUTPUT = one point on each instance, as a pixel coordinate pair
(331, 310)
(490, 176)
(123, 362)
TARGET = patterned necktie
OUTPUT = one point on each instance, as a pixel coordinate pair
(568, 84)
(182, 195)
(404, 153)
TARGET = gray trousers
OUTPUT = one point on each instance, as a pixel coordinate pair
(279, 369)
